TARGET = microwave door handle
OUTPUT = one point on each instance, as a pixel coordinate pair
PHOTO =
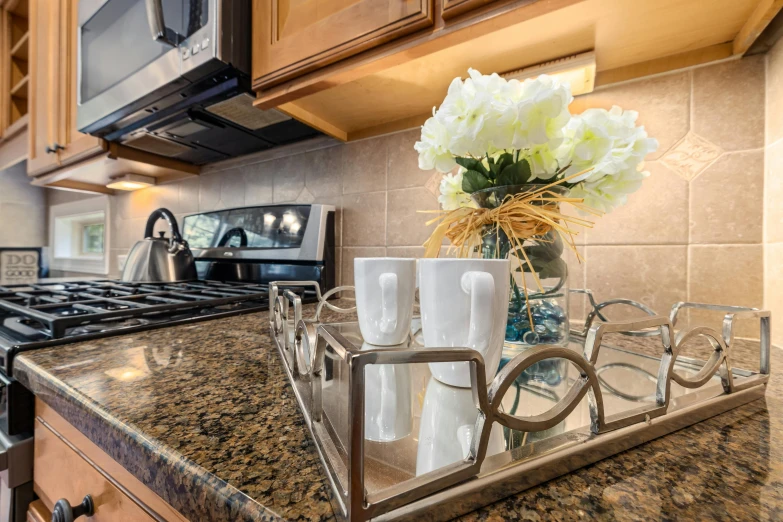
(160, 33)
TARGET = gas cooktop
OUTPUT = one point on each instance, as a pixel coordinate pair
(37, 315)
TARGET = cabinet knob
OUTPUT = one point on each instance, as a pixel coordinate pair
(54, 148)
(63, 512)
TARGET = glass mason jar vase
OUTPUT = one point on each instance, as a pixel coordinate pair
(542, 316)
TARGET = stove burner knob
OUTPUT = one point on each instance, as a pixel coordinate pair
(63, 512)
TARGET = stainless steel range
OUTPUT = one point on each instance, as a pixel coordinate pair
(238, 252)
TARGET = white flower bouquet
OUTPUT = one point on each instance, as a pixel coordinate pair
(521, 154)
(509, 133)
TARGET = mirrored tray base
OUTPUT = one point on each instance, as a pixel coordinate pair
(396, 444)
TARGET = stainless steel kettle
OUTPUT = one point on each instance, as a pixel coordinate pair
(160, 258)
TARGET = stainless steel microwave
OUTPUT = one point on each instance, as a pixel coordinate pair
(171, 77)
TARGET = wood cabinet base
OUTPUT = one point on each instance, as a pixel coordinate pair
(68, 465)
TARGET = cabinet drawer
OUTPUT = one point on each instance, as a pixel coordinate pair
(61, 472)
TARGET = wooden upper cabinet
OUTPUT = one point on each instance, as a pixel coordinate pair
(294, 37)
(54, 138)
(44, 84)
(452, 8)
(76, 145)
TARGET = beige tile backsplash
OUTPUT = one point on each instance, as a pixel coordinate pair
(22, 209)
(693, 232)
(773, 193)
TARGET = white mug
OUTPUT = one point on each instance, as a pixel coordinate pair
(447, 428)
(384, 298)
(464, 304)
(388, 413)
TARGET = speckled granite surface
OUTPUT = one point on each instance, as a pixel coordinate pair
(204, 416)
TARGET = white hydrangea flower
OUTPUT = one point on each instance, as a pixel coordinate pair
(609, 142)
(485, 115)
(609, 192)
(433, 147)
(611, 145)
(534, 113)
(452, 196)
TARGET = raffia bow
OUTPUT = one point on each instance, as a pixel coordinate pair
(520, 217)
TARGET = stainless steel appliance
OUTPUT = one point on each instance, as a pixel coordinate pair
(160, 258)
(246, 248)
(260, 243)
(171, 77)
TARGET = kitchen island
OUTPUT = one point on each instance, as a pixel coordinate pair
(204, 417)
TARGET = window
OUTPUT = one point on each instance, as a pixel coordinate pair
(79, 236)
(92, 238)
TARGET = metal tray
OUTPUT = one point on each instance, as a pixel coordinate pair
(437, 451)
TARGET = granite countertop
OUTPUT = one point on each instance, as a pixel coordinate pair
(204, 416)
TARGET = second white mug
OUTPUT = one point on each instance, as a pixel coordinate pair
(385, 288)
(464, 304)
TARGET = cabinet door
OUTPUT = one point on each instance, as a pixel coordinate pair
(77, 145)
(45, 84)
(293, 37)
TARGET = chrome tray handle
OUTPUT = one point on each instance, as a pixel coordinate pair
(596, 313)
(281, 300)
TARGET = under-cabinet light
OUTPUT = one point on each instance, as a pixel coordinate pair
(577, 70)
(131, 182)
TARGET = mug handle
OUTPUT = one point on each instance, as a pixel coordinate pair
(388, 284)
(481, 288)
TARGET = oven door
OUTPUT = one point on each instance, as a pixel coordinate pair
(16, 476)
(130, 53)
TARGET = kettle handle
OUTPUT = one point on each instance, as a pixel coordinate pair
(169, 217)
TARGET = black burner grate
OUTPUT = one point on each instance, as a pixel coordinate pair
(60, 306)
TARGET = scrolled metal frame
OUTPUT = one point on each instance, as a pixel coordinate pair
(304, 355)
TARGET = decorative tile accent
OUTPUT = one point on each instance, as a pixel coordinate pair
(305, 197)
(691, 156)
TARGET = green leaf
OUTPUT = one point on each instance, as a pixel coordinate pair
(515, 174)
(503, 161)
(472, 164)
(473, 181)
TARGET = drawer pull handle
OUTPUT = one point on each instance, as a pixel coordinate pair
(63, 512)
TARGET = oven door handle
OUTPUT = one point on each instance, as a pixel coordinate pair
(16, 458)
(160, 33)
